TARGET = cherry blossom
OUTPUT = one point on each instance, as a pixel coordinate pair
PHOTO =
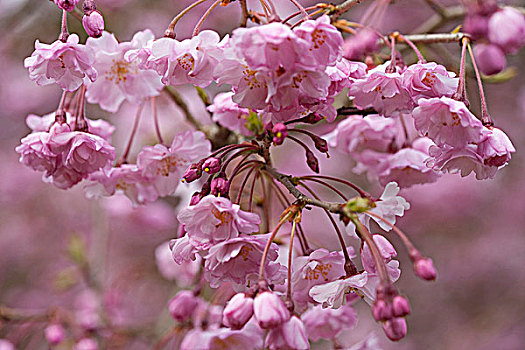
(64, 63)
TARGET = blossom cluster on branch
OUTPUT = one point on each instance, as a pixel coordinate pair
(402, 124)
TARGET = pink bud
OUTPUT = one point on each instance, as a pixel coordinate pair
(312, 161)
(400, 306)
(93, 24)
(68, 5)
(489, 58)
(220, 186)
(381, 310)
(269, 310)
(507, 29)
(395, 329)
(192, 173)
(280, 131)
(212, 165)
(320, 144)
(183, 305)
(238, 311)
(424, 268)
(86, 344)
(55, 333)
(195, 199)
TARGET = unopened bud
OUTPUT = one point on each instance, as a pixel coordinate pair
(93, 24)
(182, 305)
(192, 173)
(269, 310)
(400, 306)
(211, 165)
(395, 329)
(55, 333)
(312, 161)
(424, 268)
(238, 311)
(382, 310)
(280, 131)
(320, 144)
(68, 5)
(195, 198)
(220, 187)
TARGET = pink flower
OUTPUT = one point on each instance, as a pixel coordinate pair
(87, 153)
(290, 335)
(183, 305)
(321, 323)
(319, 267)
(408, 166)
(424, 80)
(507, 29)
(118, 78)
(66, 64)
(343, 74)
(228, 113)
(386, 249)
(395, 329)
(238, 311)
(163, 166)
(460, 160)
(238, 259)
(216, 219)
(356, 46)
(447, 122)
(382, 91)
(183, 272)
(248, 338)
(86, 344)
(332, 294)
(269, 310)
(190, 61)
(325, 40)
(496, 147)
(127, 179)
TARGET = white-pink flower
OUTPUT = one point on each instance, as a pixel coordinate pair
(425, 80)
(332, 294)
(228, 113)
(64, 63)
(495, 148)
(238, 259)
(325, 323)
(216, 219)
(119, 79)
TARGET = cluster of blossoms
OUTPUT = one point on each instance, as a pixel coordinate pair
(497, 32)
(406, 126)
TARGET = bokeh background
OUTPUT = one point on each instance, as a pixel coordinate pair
(59, 250)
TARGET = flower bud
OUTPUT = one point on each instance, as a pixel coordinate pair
(86, 344)
(238, 311)
(424, 268)
(400, 306)
(55, 333)
(312, 161)
(211, 165)
(489, 58)
(381, 310)
(269, 310)
(320, 144)
(93, 24)
(220, 187)
(68, 5)
(280, 131)
(507, 29)
(195, 198)
(193, 173)
(183, 305)
(395, 329)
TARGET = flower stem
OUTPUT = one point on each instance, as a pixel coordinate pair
(290, 253)
(124, 158)
(64, 33)
(485, 117)
(461, 93)
(413, 46)
(204, 16)
(156, 119)
(170, 32)
(270, 240)
(301, 8)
